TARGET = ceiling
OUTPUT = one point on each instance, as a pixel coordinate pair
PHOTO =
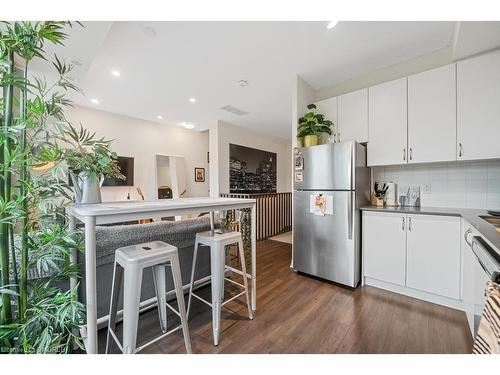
(164, 64)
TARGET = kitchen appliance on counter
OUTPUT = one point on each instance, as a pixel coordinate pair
(391, 199)
(331, 182)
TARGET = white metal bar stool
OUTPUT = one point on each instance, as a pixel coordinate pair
(133, 260)
(217, 240)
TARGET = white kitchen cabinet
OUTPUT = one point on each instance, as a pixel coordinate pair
(384, 246)
(387, 112)
(353, 116)
(413, 254)
(328, 107)
(432, 124)
(433, 254)
(478, 107)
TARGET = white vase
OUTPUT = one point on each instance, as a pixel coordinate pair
(87, 187)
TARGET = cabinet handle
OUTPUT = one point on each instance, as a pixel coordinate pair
(404, 154)
(338, 134)
(409, 223)
(460, 150)
(411, 153)
(403, 224)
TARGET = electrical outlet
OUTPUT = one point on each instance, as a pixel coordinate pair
(427, 188)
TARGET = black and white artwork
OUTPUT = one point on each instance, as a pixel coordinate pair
(251, 170)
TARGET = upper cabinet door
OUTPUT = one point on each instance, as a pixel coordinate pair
(353, 116)
(478, 107)
(387, 111)
(432, 124)
(328, 107)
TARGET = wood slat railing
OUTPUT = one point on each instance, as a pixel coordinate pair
(274, 212)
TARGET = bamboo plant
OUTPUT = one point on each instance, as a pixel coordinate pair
(38, 314)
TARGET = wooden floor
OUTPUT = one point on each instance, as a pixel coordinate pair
(299, 314)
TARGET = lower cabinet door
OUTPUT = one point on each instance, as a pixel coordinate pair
(384, 246)
(433, 254)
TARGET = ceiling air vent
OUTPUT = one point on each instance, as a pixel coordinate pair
(234, 110)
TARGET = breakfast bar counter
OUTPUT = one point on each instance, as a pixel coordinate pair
(116, 212)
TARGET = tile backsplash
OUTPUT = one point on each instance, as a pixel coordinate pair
(459, 184)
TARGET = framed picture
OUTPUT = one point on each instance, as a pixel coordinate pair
(199, 174)
(252, 170)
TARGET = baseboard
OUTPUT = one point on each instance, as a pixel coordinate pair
(410, 292)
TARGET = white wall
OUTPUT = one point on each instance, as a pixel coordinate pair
(303, 94)
(142, 140)
(222, 134)
(214, 159)
(463, 185)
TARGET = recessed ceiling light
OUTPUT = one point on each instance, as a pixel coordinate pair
(192, 100)
(332, 24)
(159, 117)
(149, 31)
(243, 83)
(94, 101)
(116, 73)
(188, 125)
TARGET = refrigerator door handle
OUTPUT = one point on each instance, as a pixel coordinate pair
(350, 218)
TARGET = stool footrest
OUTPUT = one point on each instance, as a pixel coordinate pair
(233, 297)
(138, 349)
(173, 310)
(158, 338)
(234, 282)
(201, 299)
(237, 271)
(113, 335)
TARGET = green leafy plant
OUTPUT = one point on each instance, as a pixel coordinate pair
(244, 224)
(313, 123)
(90, 154)
(38, 314)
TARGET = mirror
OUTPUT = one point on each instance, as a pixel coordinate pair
(171, 176)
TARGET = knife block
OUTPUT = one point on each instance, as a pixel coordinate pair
(374, 201)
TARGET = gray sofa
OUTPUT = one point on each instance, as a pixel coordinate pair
(109, 238)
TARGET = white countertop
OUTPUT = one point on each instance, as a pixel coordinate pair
(125, 207)
(116, 212)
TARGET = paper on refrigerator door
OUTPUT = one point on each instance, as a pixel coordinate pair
(320, 204)
(299, 176)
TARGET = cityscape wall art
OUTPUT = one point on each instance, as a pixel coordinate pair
(251, 170)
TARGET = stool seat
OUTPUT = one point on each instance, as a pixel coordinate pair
(145, 253)
(218, 236)
(130, 261)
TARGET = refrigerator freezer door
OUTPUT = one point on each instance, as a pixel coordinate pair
(325, 246)
(325, 167)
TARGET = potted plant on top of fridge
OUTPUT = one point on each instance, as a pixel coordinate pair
(311, 125)
(89, 160)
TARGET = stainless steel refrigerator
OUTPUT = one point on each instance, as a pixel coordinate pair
(327, 244)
